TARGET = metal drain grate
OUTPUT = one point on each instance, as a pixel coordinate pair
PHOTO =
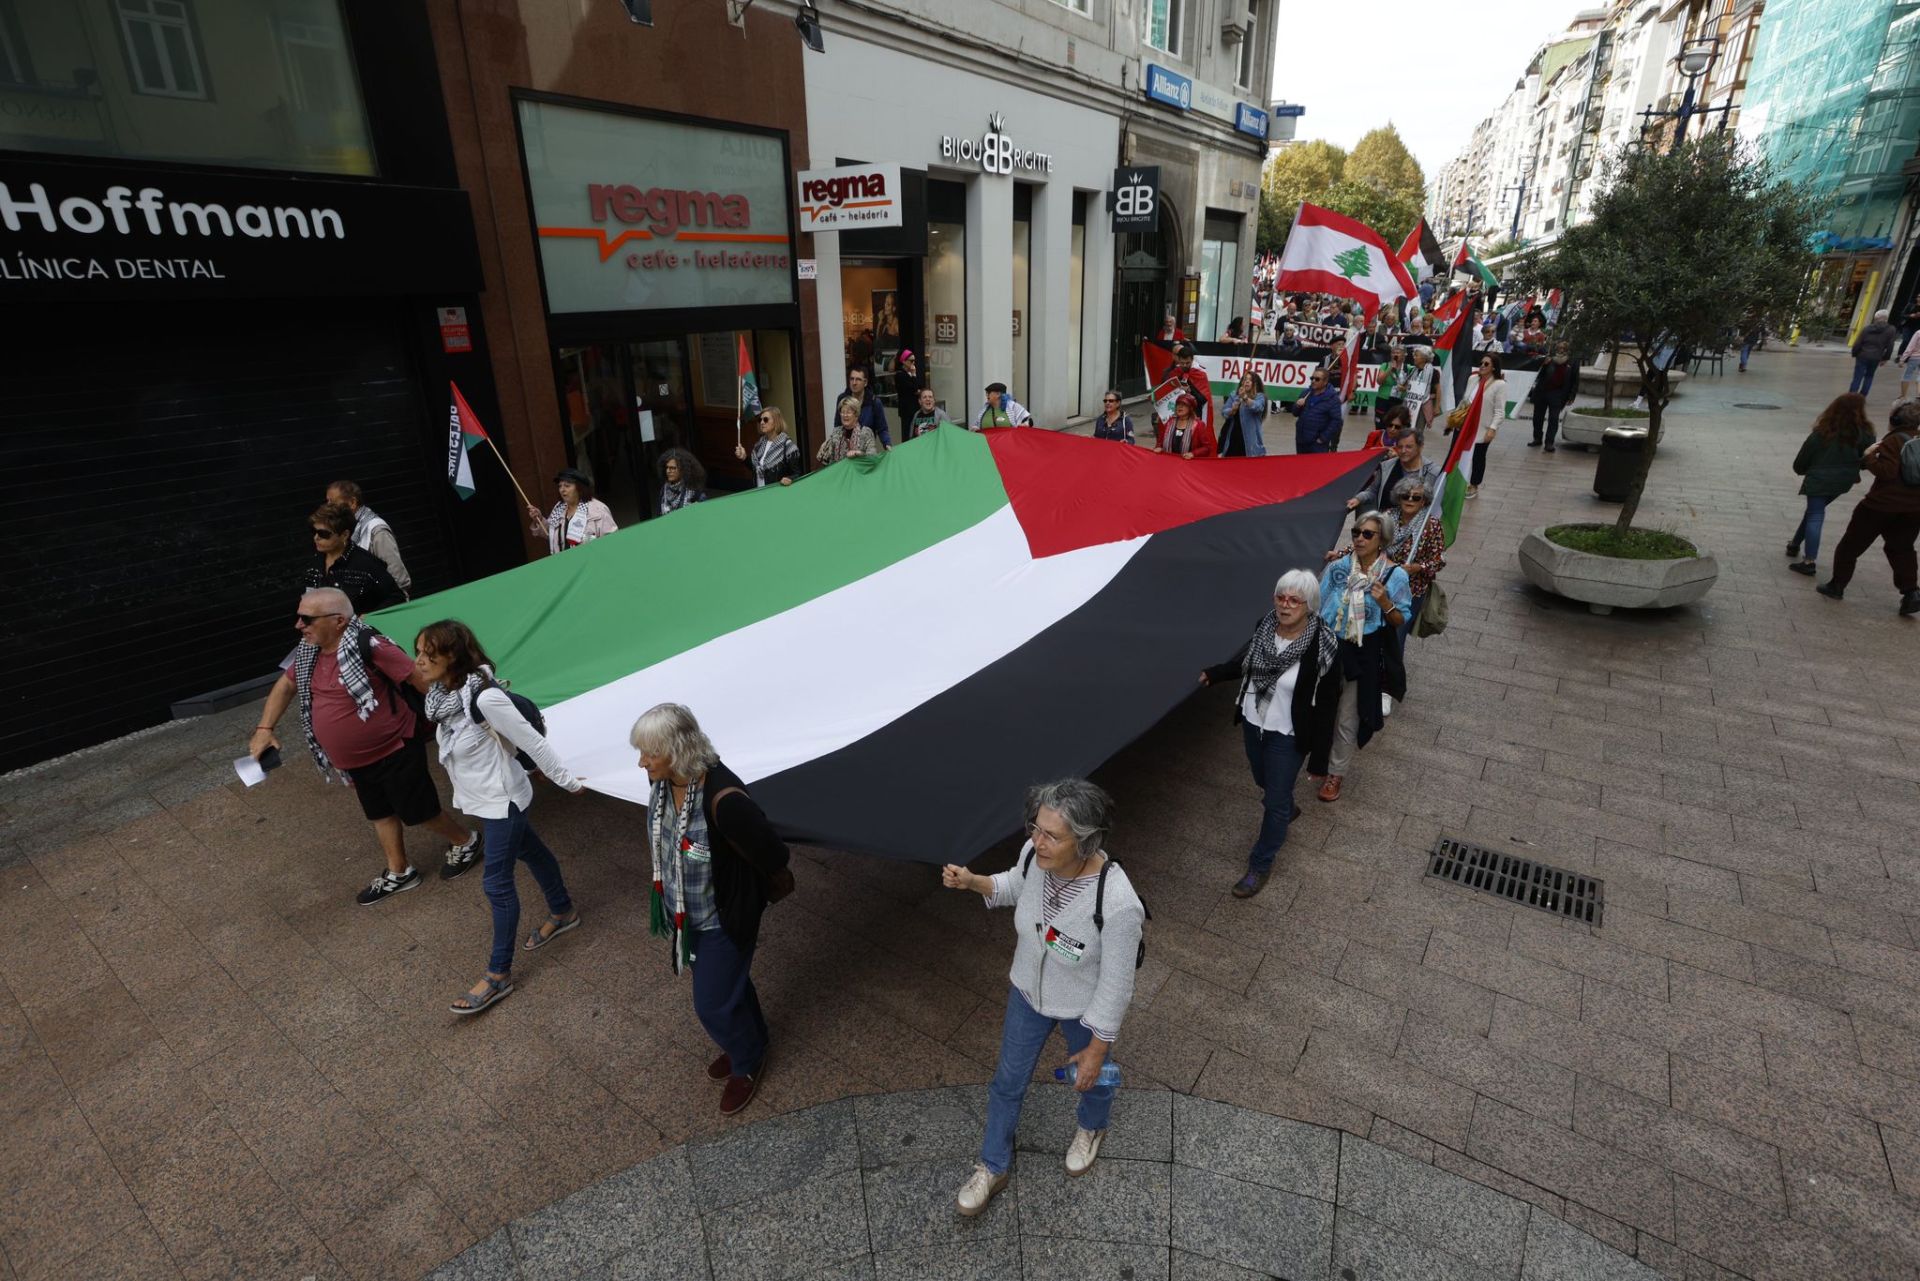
(1518, 880)
(1742, 404)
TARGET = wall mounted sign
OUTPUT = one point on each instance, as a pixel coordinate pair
(851, 196)
(455, 334)
(1169, 87)
(1250, 120)
(946, 327)
(1136, 198)
(634, 213)
(995, 151)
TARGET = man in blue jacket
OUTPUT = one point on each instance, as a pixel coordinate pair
(872, 413)
(1318, 430)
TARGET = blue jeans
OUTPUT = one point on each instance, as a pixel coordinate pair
(1022, 1037)
(1810, 526)
(1746, 349)
(510, 840)
(1275, 759)
(724, 998)
(1863, 375)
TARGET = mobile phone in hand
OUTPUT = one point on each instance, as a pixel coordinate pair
(270, 759)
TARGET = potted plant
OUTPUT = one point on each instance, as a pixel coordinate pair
(1680, 246)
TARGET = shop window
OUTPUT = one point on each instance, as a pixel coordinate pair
(1163, 20)
(1076, 303)
(268, 84)
(1016, 379)
(945, 360)
(162, 48)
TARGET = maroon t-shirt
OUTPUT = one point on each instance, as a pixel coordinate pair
(346, 739)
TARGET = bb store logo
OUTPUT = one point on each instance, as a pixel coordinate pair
(996, 152)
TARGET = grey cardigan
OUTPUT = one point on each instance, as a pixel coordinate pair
(1084, 973)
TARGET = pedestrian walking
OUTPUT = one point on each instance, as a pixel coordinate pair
(1389, 395)
(1552, 391)
(1830, 460)
(1406, 460)
(1002, 410)
(1077, 926)
(338, 563)
(1889, 511)
(850, 438)
(480, 730)
(1910, 368)
(683, 480)
(1419, 547)
(775, 459)
(1187, 434)
(872, 414)
(577, 518)
(1318, 411)
(1242, 418)
(1113, 422)
(1873, 348)
(350, 684)
(1491, 392)
(371, 532)
(717, 864)
(1364, 598)
(1416, 388)
(1752, 330)
(1285, 705)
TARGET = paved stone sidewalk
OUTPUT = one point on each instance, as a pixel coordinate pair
(213, 1064)
(862, 1190)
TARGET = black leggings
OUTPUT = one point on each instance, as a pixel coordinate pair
(1479, 463)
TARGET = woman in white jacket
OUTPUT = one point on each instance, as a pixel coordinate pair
(479, 730)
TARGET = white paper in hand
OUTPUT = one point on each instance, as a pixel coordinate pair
(249, 771)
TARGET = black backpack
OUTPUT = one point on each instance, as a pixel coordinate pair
(412, 697)
(527, 708)
(1100, 900)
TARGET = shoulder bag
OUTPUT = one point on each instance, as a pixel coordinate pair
(780, 884)
(1433, 612)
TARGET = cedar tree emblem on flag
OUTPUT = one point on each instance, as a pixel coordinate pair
(1354, 262)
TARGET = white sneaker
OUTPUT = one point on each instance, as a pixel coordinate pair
(1080, 1153)
(981, 1187)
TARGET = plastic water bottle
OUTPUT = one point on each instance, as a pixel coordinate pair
(1109, 1075)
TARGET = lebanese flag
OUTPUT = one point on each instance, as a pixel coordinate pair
(1330, 253)
(464, 433)
(1035, 628)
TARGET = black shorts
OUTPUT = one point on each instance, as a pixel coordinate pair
(398, 784)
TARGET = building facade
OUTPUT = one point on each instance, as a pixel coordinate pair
(240, 266)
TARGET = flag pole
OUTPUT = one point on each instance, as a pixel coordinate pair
(510, 476)
(739, 390)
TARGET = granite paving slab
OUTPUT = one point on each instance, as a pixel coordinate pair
(1475, 1223)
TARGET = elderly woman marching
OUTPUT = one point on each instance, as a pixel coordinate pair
(716, 865)
(1076, 922)
(1289, 693)
(1364, 598)
(1419, 548)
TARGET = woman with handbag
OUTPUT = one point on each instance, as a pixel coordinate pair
(717, 863)
(1490, 396)
(1419, 548)
(1364, 598)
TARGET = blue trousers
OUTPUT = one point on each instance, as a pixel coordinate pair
(1746, 349)
(1276, 760)
(1863, 375)
(1808, 531)
(724, 998)
(1022, 1037)
(511, 840)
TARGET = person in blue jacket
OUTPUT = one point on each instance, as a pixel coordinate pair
(1241, 418)
(872, 413)
(1318, 430)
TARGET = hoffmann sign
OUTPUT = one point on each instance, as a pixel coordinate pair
(850, 197)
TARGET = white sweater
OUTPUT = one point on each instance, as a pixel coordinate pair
(1085, 974)
(479, 758)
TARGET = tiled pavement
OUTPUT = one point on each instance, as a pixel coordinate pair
(213, 1065)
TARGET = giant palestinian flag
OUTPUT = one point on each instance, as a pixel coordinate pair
(891, 651)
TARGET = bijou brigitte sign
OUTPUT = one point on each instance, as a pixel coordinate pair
(633, 213)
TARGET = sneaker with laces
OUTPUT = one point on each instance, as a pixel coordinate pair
(1081, 1152)
(388, 884)
(460, 858)
(982, 1186)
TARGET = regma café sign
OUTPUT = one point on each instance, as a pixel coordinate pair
(81, 231)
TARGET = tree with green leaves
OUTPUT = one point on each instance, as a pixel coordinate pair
(1297, 173)
(1391, 215)
(1678, 250)
(1381, 160)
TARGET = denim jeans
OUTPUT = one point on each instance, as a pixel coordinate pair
(1863, 375)
(1275, 759)
(1808, 531)
(1022, 1037)
(510, 840)
(724, 998)
(1746, 349)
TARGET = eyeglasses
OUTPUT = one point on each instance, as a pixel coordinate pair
(1111, 400)
(1359, 534)
(1041, 835)
(1284, 599)
(1414, 498)
(324, 533)
(308, 620)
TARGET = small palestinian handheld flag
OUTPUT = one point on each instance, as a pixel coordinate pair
(1421, 252)
(1466, 261)
(749, 386)
(1079, 624)
(464, 433)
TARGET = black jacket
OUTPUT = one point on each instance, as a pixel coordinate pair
(747, 855)
(360, 574)
(1316, 700)
(1555, 384)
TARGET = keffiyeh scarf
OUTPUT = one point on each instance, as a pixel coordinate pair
(1267, 660)
(669, 833)
(353, 675)
(770, 455)
(442, 702)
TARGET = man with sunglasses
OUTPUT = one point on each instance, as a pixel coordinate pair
(1318, 431)
(350, 684)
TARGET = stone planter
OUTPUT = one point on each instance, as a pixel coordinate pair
(1626, 380)
(1585, 430)
(1606, 582)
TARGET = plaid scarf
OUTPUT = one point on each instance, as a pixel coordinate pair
(668, 833)
(353, 675)
(770, 454)
(1266, 662)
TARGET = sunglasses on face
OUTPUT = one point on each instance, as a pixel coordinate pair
(324, 533)
(1359, 534)
(308, 620)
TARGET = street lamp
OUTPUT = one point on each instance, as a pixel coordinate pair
(1695, 58)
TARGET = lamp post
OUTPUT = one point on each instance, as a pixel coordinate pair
(1695, 58)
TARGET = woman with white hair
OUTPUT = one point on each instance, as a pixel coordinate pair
(1288, 696)
(717, 863)
(1873, 348)
(1364, 598)
(1076, 924)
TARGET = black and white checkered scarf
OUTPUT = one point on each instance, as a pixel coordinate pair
(770, 454)
(1266, 662)
(353, 675)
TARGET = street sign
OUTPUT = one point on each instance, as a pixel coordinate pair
(1287, 110)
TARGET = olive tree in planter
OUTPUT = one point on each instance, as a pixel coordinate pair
(1679, 247)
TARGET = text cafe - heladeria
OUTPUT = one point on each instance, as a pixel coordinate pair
(624, 214)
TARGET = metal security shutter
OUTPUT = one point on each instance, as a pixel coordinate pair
(156, 469)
